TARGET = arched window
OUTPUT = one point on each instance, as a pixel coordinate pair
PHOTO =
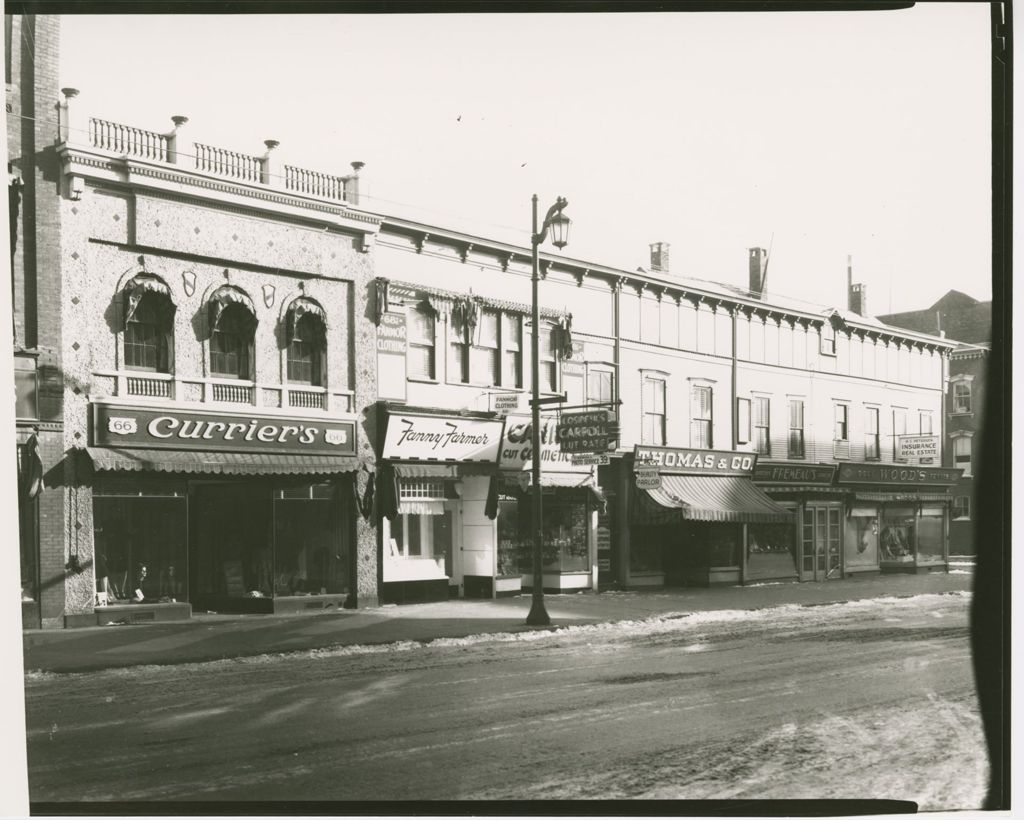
(149, 324)
(306, 331)
(233, 328)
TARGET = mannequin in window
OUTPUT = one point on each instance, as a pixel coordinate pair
(141, 575)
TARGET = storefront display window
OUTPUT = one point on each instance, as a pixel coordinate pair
(861, 537)
(896, 540)
(930, 540)
(310, 553)
(564, 523)
(771, 551)
(141, 549)
(645, 547)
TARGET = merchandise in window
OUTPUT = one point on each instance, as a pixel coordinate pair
(897, 538)
(861, 537)
(565, 532)
(308, 557)
(771, 550)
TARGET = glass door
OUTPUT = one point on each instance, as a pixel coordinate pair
(821, 543)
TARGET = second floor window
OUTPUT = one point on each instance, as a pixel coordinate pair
(231, 343)
(961, 397)
(796, 428)
(700, 416)
(962, 454)
(490, 352)
(899, 428)
(842, 426)
(828, 339)
(148, 334)
(762, 426)
(420, 361)
(925, 420)
(548, 363)
(871, 446)
(599, 386)
(306, 351)
(653, 402)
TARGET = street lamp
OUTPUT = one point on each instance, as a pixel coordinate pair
(558, 222)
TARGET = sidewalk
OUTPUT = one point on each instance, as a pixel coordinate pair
(212, 637)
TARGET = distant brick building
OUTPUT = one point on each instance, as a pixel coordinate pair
(969, 321)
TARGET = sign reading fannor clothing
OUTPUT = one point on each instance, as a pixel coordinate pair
(441, 438)
(685, 461)
(896, 474)
(161, 428)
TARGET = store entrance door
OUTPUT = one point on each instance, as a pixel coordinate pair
(448, 542)
(821, 542)
(230, 546)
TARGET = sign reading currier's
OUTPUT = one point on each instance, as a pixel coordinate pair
(120, 426)
(441, 438)
(685, 461)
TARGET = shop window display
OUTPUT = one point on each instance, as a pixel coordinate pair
(564, 524)
(771, 550)
(930, 532)
(645, 546)
(141, 550)
(861, 537)
(896, 540)
(310, 556)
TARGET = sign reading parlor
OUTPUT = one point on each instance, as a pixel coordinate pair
(160, 428)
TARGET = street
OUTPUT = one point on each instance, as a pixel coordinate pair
(866, 699)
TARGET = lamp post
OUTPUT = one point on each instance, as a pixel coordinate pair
(559, 225)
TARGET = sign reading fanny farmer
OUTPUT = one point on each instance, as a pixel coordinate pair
(441, 438)
(517, 448)
(159, 428)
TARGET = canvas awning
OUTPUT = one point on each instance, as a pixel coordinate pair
(186, 461)
(426, 471)
(716, 498)
(139, 286)
(224, 297)
(304, 306)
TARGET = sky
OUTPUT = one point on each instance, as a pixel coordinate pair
(815, 134)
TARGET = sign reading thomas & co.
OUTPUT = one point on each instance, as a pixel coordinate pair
(160, 428)
(897, 474)
(441, 438)
(795, 473)
(683, 461)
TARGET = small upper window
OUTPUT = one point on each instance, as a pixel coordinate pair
(307, 342)
(828, 339)
(233, 323)
(961, 397)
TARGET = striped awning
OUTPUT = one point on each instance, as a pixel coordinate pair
(426, 471)
(185, 461)
(717, 498)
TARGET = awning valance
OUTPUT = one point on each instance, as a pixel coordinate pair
(139, 286)
(449, 471)
(717, 498)
(226, 296)
(511, 482)
(182, 461)
(304, 306)
(903, 497)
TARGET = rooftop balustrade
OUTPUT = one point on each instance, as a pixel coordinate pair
(172, 149)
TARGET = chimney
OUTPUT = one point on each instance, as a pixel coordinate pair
(758, 269)
(856, 295)
(659, 257)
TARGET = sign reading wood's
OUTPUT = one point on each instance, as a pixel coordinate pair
(684, 461)
(391, 333)
(917, 449)
(888, 474)
(585, 432)
(441, 438)
(121, 426)
(517, 447)
(795, 473)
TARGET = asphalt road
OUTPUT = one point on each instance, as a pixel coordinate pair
(858, 700)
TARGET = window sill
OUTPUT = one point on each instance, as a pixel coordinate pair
(960, 414)
(420, 380)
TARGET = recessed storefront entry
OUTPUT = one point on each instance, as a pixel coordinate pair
(821, 543)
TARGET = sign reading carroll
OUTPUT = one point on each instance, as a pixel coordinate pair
(517, 452)
(585, 432)
(441, 438)
(885, 474)
(694, 462)
(918, 449)
(795, 473)
(120, 426)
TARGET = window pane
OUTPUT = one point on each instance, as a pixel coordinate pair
(420, 362)
(512, 331)
(421, 326)
(457, 364)
(487, 329)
